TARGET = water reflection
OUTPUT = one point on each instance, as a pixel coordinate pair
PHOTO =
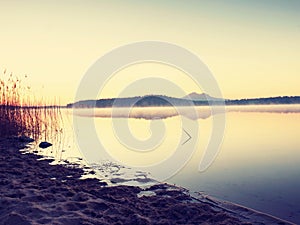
(258, 166)
(194, 113)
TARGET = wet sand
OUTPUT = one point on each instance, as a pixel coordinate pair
(34, 192)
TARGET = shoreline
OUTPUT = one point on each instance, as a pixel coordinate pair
(34, 192)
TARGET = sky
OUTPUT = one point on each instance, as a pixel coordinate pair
(252, 48)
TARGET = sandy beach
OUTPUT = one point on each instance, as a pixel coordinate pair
(34, 192)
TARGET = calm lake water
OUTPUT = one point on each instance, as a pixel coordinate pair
(258, 164)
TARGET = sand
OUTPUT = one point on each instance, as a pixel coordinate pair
(34, 192)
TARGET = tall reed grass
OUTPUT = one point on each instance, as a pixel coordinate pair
(21, 113)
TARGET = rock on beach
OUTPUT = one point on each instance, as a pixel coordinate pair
(45, 144)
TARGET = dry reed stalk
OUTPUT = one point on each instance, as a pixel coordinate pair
(23, 114)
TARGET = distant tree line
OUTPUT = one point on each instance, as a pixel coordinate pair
(160, 100)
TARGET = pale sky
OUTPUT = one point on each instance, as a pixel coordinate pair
(251, 47)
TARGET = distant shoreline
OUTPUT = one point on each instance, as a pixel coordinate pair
(161, 101)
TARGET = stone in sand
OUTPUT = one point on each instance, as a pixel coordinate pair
(45, 144)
